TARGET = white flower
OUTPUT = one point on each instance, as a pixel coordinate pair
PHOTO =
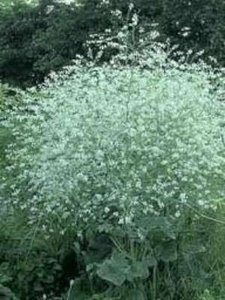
(107, 210)
(183, 198)
(131, 6)
(177, 214)
(135, 19)
(201, 202)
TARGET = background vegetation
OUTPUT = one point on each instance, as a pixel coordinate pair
(36, 39)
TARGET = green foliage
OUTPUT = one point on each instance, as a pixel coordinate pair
(118, 269)
(3, 97)
(37, 39)
(27, 265)
(208, 295)
(10, 99)
(195, 26)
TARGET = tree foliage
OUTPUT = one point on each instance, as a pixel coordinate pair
(195, 25)
(36, 39)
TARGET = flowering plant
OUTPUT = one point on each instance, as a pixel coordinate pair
(133, 153)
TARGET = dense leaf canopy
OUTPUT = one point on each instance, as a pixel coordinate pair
(36, 39)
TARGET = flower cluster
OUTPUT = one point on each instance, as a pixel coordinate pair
(104, 145)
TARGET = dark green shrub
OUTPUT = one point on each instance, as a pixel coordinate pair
(195, 25)
(38, 39)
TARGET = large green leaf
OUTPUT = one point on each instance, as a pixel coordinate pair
(138, 269)
(160, 224)
(119, 268)
(150, 261)
(167, 251)
(115, 269)
(190, 249)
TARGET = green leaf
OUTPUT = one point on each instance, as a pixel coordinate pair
(114, 270)
(150, 261)
(6, 293)
(135, 295)
(192, 249)
(167, 251)
(139, 269)
(161, 224)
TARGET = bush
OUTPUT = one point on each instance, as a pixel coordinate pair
(129, 163)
